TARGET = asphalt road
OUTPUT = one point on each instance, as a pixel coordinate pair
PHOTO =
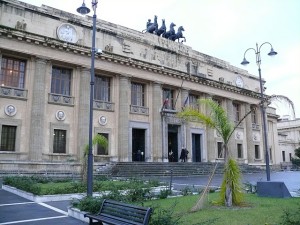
(18, 210)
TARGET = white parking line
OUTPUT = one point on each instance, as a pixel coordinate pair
(54, 209)
(23, 221)
(20, 203)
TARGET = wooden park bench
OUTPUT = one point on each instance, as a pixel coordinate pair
(118, 213)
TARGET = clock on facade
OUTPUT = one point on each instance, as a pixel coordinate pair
(239, 82)
(67, 32)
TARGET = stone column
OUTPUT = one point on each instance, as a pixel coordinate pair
(249, 146)
(123, 128)
(83, 110)
(38, 110)
(157, 123)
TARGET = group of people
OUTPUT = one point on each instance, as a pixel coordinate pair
(183, 155)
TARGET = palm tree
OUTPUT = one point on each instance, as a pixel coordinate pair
(219, 120)
(97, 140)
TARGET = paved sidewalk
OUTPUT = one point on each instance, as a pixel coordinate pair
(17, 210)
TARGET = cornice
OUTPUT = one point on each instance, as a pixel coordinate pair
(36, 39)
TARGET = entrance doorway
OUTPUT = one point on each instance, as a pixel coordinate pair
(196, 147)
(173, 143)
(138, 145)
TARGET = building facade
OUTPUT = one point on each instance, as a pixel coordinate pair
(141, 82)
(289, 138)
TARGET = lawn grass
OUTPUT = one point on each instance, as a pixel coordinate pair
(256, 210)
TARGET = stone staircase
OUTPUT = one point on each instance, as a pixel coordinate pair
(160, 169)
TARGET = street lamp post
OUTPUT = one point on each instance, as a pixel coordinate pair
(262, 107)
(85, 10)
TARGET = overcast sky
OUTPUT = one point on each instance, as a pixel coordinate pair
(222, 29)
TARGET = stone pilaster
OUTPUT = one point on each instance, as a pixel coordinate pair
(212, 153)
(157, 123)
(83, 110)
(38, 108)
(249, 146)
(123, 128)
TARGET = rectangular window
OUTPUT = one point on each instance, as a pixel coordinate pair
(290, 155)
(8, 138)
(102, 88)
(236, 112)
(12, 72)
(100, 149)
(253, 115)
(220, 149)
(59, 141)
(137, 94)
(168, 99)
(193, 101)
(240, 151)
(256, 152)
(283, 156)
(61, 81)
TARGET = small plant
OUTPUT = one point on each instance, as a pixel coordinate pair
(88, 204)
(186, 191)
(164, 193)
(162, 216)
(291, 216)
(250, 188)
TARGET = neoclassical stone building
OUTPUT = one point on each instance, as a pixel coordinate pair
(289, 138)
(142, 81)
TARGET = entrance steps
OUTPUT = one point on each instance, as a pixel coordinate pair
(161, 169)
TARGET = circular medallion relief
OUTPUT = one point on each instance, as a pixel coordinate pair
(67, 32)
(60, 115)
(10, 110)
(102, 120)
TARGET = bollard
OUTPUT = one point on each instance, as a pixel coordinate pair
(171, 178)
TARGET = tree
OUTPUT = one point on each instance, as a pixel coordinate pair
(218, 119)
(297, 152)
(97, 140)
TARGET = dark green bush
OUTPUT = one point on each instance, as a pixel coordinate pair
(291, 216)
(164, 193)
(161, 216)
(24, 183)
(88, 204)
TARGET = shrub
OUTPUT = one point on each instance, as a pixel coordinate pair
(24, 183)
(164, 193)
(291, 216)
(88, 204)
(161, 216)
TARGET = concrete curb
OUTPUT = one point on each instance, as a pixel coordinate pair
(42, 198)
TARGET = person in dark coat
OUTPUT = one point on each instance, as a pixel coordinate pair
(183, 155)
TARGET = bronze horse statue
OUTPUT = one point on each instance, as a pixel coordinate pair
(162, 29)
(171, 32)
(152, 27)
(178, 35)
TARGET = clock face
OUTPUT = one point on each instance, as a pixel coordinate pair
(239, 82)
(66, 32)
